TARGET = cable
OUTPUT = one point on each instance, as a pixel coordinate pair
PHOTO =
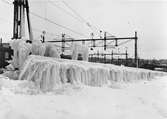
(83, 20)
(68, 13)
(46, 19)
(124, 42)
(93, 27)
(50, 21)
(74, 11)
(110, 42)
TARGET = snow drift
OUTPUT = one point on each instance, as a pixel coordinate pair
(50, 73)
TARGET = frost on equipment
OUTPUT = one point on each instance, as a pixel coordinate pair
(50, 73)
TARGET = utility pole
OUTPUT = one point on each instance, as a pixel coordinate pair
(93, 40)
(0, 41)
(43, 36)
(19, 19)
(28, 21)
(105, 37)
(100, 34)
(112, 56)
(63, 43)
(136, 55)
(126, 57)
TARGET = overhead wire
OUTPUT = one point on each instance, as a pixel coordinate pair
(64, 27)
(122, 43)
(81, 18)
(52, 22)
(65, 11)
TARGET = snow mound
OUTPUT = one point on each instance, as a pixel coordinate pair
(51, 73)
(18, 86)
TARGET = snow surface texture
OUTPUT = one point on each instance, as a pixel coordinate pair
(137, 100)
(77, 49)
(51, 73)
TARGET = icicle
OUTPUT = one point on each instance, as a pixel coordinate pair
(51, 73)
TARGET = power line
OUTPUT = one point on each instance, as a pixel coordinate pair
(77, 14)
(124, 42)
(50, 21)
(65, 11)
(74, 12)
(81, 18)
(93, 27)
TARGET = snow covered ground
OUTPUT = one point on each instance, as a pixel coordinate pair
(125, 100)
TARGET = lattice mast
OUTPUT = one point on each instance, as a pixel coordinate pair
(21, 9)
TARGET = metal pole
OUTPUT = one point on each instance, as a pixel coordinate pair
(126, 57)
(105, 36)
(19, 18)
(22, 19)
(28, 20)
(104, 58)
(15, 20)
(124, 38)
(112, 56)
(63, 43)
(136, 55)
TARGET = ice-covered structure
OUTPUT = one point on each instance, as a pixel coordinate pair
(21, 52)
(38, 48)
(44, 49)
(77, 49)
(50, 73)
(51, 51)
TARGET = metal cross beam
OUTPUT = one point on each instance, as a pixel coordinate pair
(79, 40)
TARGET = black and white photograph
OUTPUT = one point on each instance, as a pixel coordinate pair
(83, 59)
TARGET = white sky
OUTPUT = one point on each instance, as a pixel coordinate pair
(119, 17)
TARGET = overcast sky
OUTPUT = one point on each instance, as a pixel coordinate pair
(118, 17)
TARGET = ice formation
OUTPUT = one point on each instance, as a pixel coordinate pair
(51, 50)
(21, 52)
(50, 73)
(77, 49)
(38, 48)
(44, 49)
